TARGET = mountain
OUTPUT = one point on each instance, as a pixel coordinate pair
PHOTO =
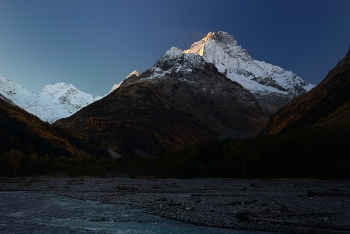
(271, 85)
(2, 97)
(133, 73)
(181, 100)
(25, 132)
(326, 104)
(29, 146)
(54, 102)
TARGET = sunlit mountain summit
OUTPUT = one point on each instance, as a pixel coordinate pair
(272, 86)
(181, 100)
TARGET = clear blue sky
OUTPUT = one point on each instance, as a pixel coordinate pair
(94, 44)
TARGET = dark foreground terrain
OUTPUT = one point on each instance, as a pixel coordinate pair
(295, 206)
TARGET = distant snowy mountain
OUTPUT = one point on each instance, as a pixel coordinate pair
(54, 102)
(271, 85)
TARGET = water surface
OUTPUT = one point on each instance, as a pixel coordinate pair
(22, 212)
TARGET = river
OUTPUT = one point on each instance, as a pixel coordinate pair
(22, 212)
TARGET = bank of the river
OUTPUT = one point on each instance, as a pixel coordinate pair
(295, 206)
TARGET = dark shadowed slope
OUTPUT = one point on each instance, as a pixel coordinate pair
(6, 99)
(27, 133)
(179, 101)
(326, 104)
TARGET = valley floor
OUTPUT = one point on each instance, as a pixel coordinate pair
(294, 206)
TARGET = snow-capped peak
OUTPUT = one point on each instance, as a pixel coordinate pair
(219, 48)
(57, 88)
(259, 77)
(53, 102)
(133, 73)
(173, 61)
(221, 37)
(174, 52)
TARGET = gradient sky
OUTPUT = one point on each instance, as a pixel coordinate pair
(94, 44)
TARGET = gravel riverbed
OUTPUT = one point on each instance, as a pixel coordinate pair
(292, 206)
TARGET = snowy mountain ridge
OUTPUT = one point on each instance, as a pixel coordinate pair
(174, 61)
(52, 103)
(260, 78)
(180, 100)
(271, 85)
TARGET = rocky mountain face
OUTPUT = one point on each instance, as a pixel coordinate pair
(326, 104)
(271, 85)
(2, 97)
(54, 102)
(25, 132)
(133, 73)
(181, 100)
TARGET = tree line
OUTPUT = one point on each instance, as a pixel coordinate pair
(306, 152)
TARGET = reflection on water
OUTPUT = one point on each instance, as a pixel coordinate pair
(39, 213)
